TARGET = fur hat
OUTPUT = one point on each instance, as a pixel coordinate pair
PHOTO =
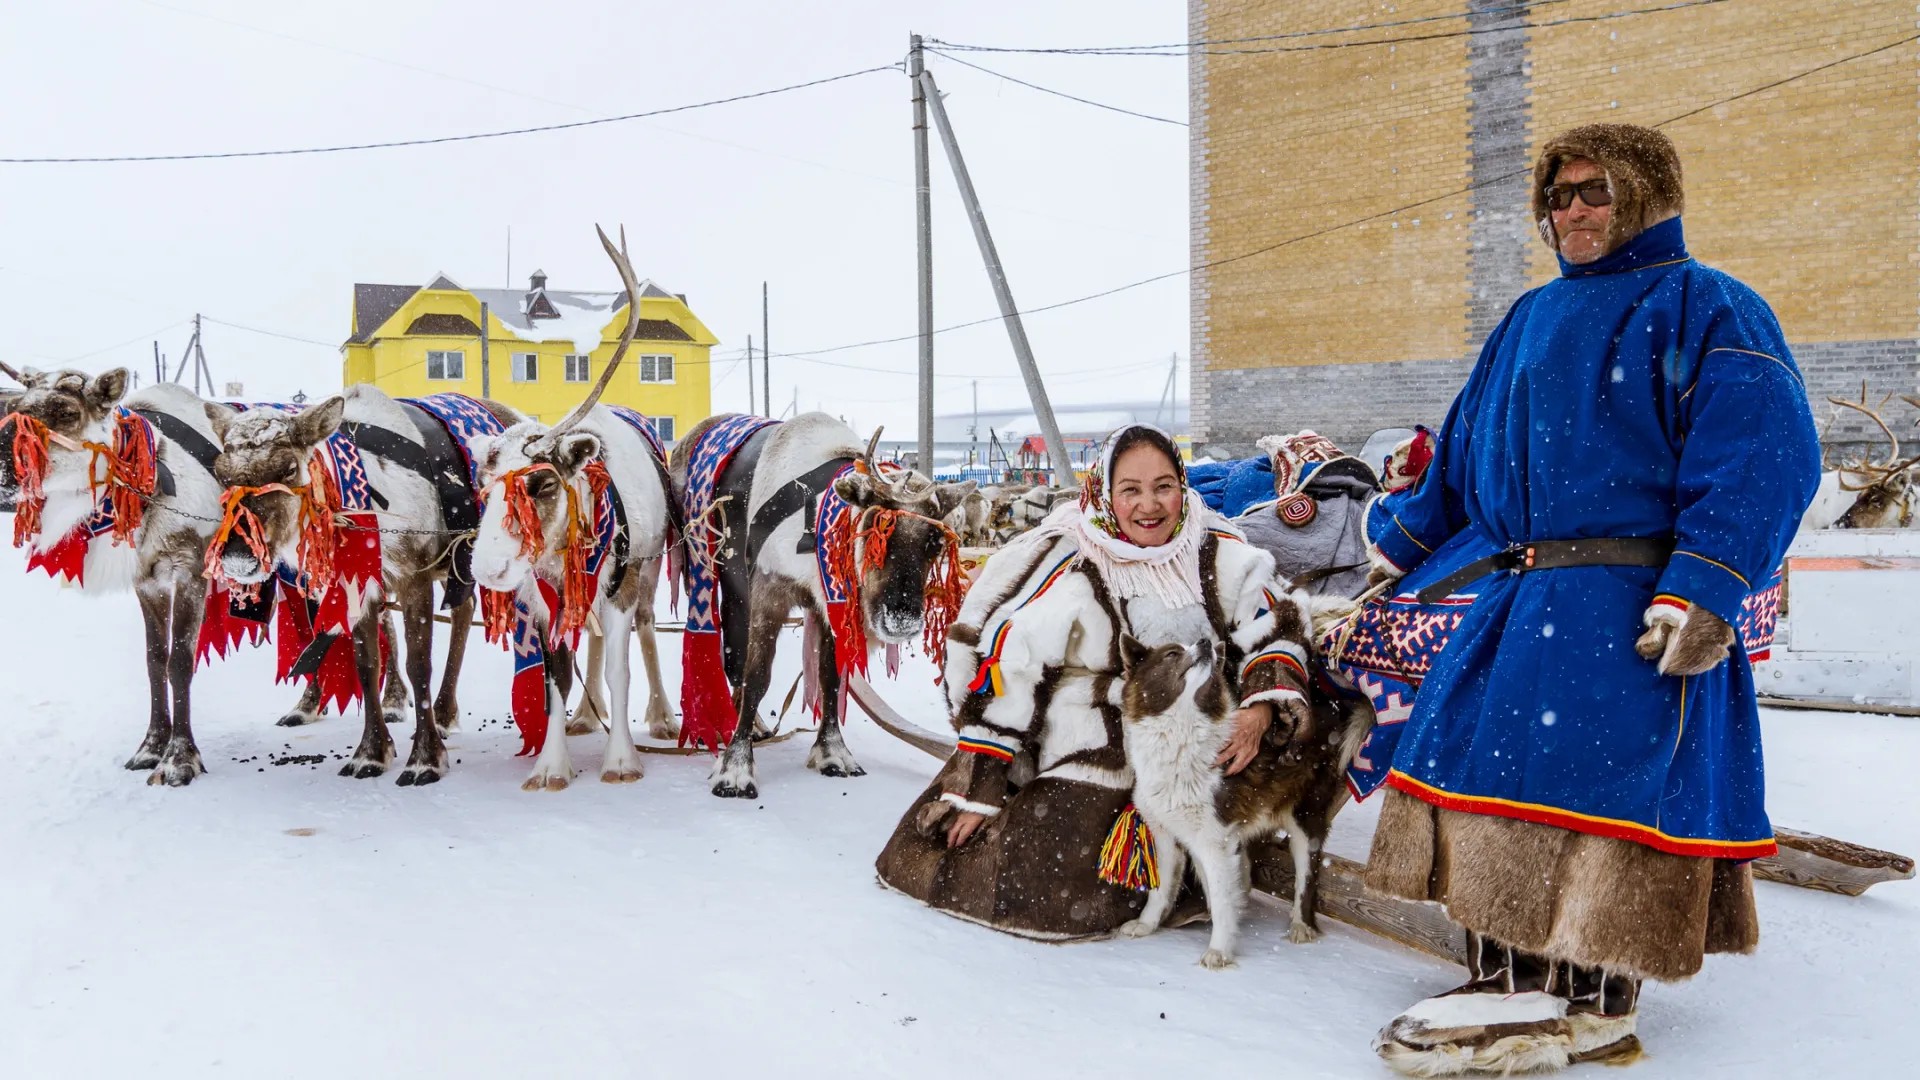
(1641, 163)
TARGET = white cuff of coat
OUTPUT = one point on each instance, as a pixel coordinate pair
(966, 805)
(1280, 696)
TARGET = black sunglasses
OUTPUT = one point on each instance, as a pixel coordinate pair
(1596, 192)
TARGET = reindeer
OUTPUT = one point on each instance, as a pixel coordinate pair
(1864, 494)
(543, 488)
(272, 474)
(767, 496)
(65, 429)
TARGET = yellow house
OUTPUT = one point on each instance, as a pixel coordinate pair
(541, 352)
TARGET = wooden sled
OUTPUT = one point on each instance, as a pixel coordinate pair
(1807, 860)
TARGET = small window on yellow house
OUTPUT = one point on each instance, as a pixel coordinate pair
(577, 368)
(448, 366)
(526, 367)
(656, 369)
(663, 427)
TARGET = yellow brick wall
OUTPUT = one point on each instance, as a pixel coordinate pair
(1806, 192)
(1300, 141)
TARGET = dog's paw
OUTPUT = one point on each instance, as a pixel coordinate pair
(1134, 928)
(1215, 960)
(1302, 934)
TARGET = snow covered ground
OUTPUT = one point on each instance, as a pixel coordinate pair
(284, 921)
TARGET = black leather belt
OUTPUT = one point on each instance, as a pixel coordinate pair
(1555, 555)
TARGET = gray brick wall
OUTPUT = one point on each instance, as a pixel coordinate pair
(1502, 223)
(1348, 402)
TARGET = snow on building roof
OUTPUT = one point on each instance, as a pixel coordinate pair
(581, 316)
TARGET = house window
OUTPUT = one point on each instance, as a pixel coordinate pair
(663, 426)
(449, 366)
(577, 368)
(656, 369)
(526, 367)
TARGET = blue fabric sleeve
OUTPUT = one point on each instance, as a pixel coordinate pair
(1749, 467)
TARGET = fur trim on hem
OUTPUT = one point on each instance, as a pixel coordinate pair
(1513, 1054)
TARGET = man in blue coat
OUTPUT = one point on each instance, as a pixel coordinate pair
(1580, 778)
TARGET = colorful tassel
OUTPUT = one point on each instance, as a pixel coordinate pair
(1126, 859)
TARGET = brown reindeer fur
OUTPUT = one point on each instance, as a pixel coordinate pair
(1642, 164)
(1700, 643)
(1591, 900)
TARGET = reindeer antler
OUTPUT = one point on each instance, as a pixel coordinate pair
(621, 263)
(7, 370)
(1893, 456)
(867, 458)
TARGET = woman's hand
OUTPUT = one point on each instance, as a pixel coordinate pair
(1249, 727)
(963, 826)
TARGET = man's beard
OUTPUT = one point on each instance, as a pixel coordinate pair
(1588, 256)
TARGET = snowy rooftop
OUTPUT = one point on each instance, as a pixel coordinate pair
(566, 315)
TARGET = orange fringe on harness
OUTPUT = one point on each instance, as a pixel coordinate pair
(577, 585)
(131, 476)
(861, 546)
(319, 504)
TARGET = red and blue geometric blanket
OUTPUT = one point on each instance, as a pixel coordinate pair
(706, 701)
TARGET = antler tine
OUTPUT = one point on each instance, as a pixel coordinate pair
(7, 370)
(1913, 401)
(867, 458)
(621, 263)
(1894, 454)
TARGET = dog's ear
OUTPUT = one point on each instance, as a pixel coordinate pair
(1132, 654)
(1220, 655)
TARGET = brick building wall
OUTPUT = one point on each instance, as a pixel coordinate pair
(1327, 299)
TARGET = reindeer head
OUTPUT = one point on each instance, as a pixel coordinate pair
(1183, 681)
(904, 511)
(71, 405)
(265, 464)
(1886, 487)
(534, 481)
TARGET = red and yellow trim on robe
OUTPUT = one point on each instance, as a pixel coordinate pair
(1669, 600)
(989, 673)
(1271, 603)
(1285, 653)
(1222, 534)
(985, 746)
(1613, 828)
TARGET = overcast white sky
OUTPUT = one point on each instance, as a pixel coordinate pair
(811, 191)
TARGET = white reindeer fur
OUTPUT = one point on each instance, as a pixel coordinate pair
(498, 564)
(116, 567)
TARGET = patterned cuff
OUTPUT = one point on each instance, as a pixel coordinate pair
(1290, 657)
(1707, 582)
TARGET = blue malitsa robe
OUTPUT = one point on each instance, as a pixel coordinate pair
(1642, 395)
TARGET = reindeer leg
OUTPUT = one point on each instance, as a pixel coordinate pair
(155, 604)
(375, 752)
(830, 756)
(733, 776)
(591, 716)
(393, 692)
(553, 769)
(446, 706)
(181, 763)
(622, 762)
(428, 761)
(309, 709)
(660, 722)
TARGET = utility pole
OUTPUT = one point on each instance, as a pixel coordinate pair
(766, 353)
(1009, 313)
(159, 365)
(486, 366)
(1173, 369)
(194, 355)
(750, 408)
(923, 244)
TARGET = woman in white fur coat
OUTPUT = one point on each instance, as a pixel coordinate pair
(1010, 832)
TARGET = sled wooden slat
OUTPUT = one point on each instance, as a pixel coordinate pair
(1342, 896)
(1821, 862)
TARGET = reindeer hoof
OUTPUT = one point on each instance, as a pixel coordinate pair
(296, 719)
(833, 761)
(664, 730)
(1301, 934)
(542, 782)
(418, 776)
(726, 789)
(394, 716)
(362, 770)
(620, 776)
(142, 761)
(1215, 960)
(581, 725)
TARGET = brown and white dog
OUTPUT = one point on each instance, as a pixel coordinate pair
(1176, 712)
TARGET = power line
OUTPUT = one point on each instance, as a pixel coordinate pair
(449, 138)
(274, 333)
(1502, 178)
(1057, 93)
(1206, 49)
